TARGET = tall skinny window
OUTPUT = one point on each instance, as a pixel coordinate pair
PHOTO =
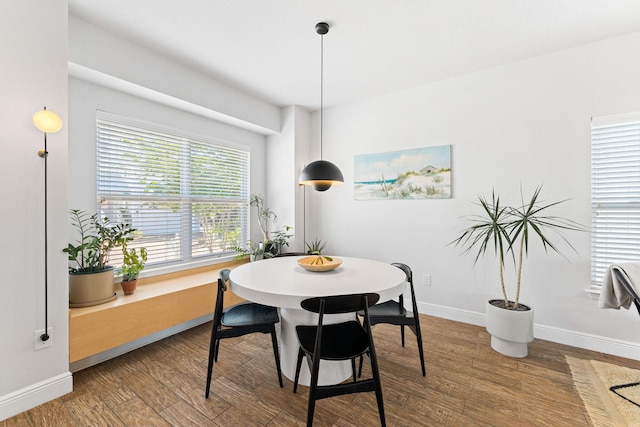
(615, 192)
(186, 197)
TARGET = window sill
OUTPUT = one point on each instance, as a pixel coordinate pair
(159, 303)
(593, 293)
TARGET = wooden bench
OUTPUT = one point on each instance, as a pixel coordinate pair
(158, 304)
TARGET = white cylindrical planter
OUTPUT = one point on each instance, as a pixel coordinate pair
(510, 330)
(88, 289)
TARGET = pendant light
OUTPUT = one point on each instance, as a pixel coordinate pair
(321, 174)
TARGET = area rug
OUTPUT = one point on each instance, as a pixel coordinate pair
(593, 380)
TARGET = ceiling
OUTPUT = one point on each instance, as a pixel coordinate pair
(270, 48)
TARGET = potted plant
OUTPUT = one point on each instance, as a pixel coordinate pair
(507, 231)
(272, 246)
(279, 240)
(315, 248)
(133, 263)
(90, 276)
(265, 215)
(255, 251)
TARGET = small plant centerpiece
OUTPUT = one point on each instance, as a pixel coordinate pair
(316, 261)
(315, 248)
(133, 263)
(90, 276)
(507, 231)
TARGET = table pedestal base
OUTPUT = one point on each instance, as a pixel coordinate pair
(330, 372)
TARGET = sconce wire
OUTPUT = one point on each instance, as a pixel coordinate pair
(44, 154)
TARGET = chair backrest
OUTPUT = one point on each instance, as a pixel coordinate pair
(338, 304)
(409, 274)
(223, 278)
(627, 287)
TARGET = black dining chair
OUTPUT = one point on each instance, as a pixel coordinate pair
(393, 312)
(340, 341)
(241, 319)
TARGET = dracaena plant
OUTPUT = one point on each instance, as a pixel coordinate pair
(507, 231)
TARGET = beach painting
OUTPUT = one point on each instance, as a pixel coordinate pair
(419, 173)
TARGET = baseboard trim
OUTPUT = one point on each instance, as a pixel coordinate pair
(627, 349)
(36, 394)
(125, 348)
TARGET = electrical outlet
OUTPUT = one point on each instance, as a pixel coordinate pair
(426, 280)
(39, 344)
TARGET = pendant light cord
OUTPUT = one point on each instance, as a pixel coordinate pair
(321, 90)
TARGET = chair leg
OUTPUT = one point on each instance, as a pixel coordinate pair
(312, 392)
(353, 368)
(378, 390)
(298, 366)
(213, 345)
(217, 349)
(274, 342)
(420, 349)
(402, 334)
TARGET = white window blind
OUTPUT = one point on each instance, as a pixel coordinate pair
(186, 198)
(615, 192)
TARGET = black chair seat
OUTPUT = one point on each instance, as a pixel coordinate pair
(242, 319)
(386, 309)
(249, 314)
(339, 342)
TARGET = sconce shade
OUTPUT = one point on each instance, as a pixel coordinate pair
(321, 174)
(47, 121)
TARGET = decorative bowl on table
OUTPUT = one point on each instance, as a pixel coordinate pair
(319, 263)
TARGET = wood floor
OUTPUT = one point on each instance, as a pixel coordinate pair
(467, 384)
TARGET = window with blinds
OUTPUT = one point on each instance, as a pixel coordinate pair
(187, 199)
(615, 192)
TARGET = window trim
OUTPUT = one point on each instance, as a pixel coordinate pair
(600, 122)
(193, 262)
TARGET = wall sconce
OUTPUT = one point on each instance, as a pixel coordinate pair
(47, 122)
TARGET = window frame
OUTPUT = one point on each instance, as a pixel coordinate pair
(615, 165)
(187, 258)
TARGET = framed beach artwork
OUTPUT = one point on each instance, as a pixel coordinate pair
(419, 173)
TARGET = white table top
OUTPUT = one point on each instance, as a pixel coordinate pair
(281, 282)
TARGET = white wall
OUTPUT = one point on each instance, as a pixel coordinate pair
(526, 123)
(33, 42)
(159, 91)
(285, 152)
(91, 48)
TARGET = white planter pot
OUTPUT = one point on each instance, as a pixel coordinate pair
(510, 330)
(87, 289)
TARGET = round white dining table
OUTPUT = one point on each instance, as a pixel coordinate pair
(281, 282)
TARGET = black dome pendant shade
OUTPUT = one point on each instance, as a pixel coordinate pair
(321, 174)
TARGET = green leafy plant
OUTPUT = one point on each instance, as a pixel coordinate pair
(507, 231)
(133, 262)
(279, 240)
(315, 248)
(97, 237)
(252, 248)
